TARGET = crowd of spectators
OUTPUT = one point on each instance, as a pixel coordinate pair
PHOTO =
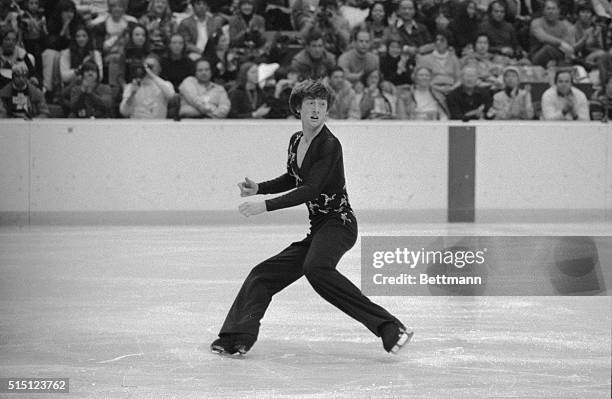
(394, 59)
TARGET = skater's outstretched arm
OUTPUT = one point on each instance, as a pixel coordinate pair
(279, 185)
(328, 153)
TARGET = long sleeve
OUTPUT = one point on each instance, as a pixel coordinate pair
(327, 155)
(279, 185)
(224, 105)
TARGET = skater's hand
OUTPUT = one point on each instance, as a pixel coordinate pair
(252, 208)
(247, 187)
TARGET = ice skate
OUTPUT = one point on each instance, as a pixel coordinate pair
(394, 337)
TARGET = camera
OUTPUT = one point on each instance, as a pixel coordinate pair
(137, 71)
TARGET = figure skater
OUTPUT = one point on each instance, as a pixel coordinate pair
(315, 176)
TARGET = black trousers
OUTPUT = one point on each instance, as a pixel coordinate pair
(315, 257)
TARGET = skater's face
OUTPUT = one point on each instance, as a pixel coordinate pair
(313, 112)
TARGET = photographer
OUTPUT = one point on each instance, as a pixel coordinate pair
(332, 25)
(147, 96)
(246, 31)
(89, 98)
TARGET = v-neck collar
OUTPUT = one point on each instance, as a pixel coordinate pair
(297, 144)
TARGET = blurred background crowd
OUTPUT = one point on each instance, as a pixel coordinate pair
(406, 59)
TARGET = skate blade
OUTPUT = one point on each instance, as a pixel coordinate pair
(224, 353)
(402, 341)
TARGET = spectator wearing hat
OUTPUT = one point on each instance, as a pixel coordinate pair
(314, 62)
(88, 97)
(20, 98)
(247, 98)
(198, 28)
(147, 95)
(512, 102)
(552, 38)
(589, 39)
(562, 101)
(202, 98)
(359, 61)
(469, 101)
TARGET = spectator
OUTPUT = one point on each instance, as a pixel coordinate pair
(223, 60)
(88, 97)
(313, 62)
(323, 16)
(160, 25)
(377, 24)
(176, 66)
(11, 55)
(443, 64)
(34, 32)
(501, 34)
(359, 61)
(601, 102)
(563, 101)
(512, 102)
(198, 28)
(464, 26)
(589, 40)
(423, 102)
(552, 39)
(20, 98)
(378, 100)
(201, 98)
(286, 81)
(396, 65)
(147, 96)
(605, 66)
(246, 31)
(483, 61)
(469, 101)
(415, 37)
(92, 10)
(343, 106)
(110, 35)
(62, 26)
(247, 98)
(303, 13)
(81, 50)
(436, 14)
(137, 49)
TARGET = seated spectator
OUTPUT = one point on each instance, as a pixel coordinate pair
(323, 16)
(589, 39)
(605, 66)
(378, 100)
(512, 102)
(464, 26)
(198, 28)
(247, 98)
(552, 38)
(88, 97)
(501, 34)
(377, 24)
(176, 66)
(34, 32)
(396, 65)
(137, 49)
(285, 81)
(303, 12)
(246, 31)
(436, 14)
(110, 35)
(11, 55)
(469, 101)
(81, 50)
(61, 26)
(343, 106)
(562, 101)
(200, 97)
(160, 25)
(488, 69)
(147, 96)
(443, 64)
(414, 36)
(313, 62)
(92, 10)
(359, 61)
(601, 102)
(424, 102)
(20, 98)
(223, 60)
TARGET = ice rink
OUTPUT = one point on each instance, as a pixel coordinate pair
(129, 312)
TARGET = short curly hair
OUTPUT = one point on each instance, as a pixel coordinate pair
(308, 89)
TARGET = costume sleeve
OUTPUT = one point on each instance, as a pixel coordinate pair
(329, 153)
(281, 184)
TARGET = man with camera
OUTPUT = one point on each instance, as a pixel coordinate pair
(325, 18)
(147, 96)
(89, 98)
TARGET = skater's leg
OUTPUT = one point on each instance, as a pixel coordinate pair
(265, 280)
(327, 247)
